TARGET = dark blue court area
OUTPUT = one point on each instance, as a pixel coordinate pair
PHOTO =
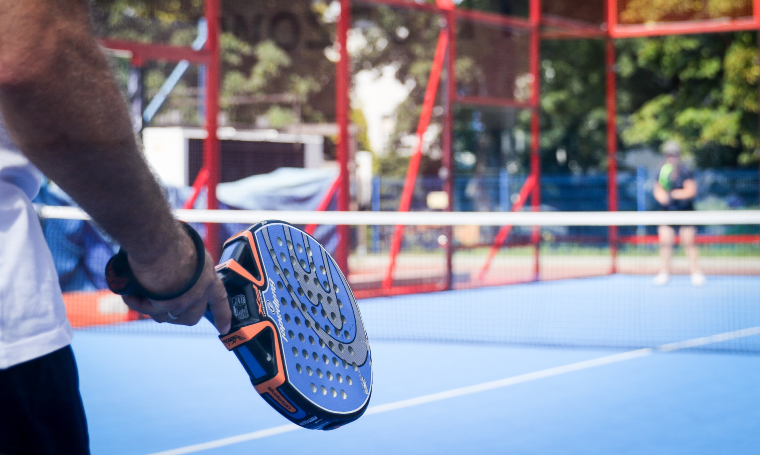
(671, 384)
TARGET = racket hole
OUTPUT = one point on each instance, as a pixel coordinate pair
(287, 318)
(319, 298)
(311, 339)
(305, 354)
(309, 371)
(324, 390)
(340, 304)
(311, 265)
(298, 320)
(356, 367)
(340, 378)
(335, 361)
(319, 373)
(333, 392)
(349, 381)
(322, 270)
(303, 264)
(310, 294)
(329, 376)
(303, 307)
(343, 319)
(325, 359)
(335, 286)
(310, 253)
(345, 364)
(298, 368)
(301, 337)
(316, 281)
(321, 343)
(300, 291)
(329, 299)
(326, 284)
(343, 394)
(279, 285)
(346, 334)
(324, 313)
(295, 351)
(283, 258)
(314, 310)
(331, 344)
(327, 330)
(340, 347)
(293, 304)
(276, 269)
(291, 335)
(315, 356)
(308, 324)
(286, 272)
(299, 248)
(290, 245)
(279, 241)
(333, 317)
(313, 388)
(283, 301)
(289, 288)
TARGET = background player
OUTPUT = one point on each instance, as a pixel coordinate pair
(675, 190)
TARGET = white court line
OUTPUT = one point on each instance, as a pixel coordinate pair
(506, 382)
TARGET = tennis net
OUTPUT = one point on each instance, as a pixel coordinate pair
(569, 279)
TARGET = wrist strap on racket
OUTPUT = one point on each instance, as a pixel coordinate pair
(121, 280)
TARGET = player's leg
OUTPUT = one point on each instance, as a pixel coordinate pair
(688, 236)
(667, 237)
(41, 410)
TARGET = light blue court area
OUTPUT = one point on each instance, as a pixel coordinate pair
(152, 393)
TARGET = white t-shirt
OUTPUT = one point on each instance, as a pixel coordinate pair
(32, 315)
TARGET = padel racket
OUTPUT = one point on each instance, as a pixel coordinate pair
(296, 328)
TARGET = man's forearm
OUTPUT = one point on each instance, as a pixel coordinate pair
(67, 115)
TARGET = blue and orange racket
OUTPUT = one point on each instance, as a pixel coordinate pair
(296, 327)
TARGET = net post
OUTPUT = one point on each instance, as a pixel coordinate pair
(211, 143)
(535, 148)
(612, 196)
(448, 136)
(341, 111)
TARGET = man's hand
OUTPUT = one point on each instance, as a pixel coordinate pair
(169, 272)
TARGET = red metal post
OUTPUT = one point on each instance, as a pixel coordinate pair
(211, 143)
(448, 139)
(414, 160)
(324, 203)
(612, 16)
(535, 146)
(612, 192)
(504, 231)
(200, 181)
(341, 113)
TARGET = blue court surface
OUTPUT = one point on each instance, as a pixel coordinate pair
(175, 394)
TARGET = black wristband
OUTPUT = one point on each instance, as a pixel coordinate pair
(122, 281)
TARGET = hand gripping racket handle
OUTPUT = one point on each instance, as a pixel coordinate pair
(121, 280)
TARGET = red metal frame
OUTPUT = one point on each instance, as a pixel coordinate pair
(211, 144)
(160, 52)
(448, 138)
(414, 160)
(342, 112)
(503, 233)
(324, 203)
(200, 182)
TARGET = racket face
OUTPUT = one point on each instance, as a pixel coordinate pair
(323, 359)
